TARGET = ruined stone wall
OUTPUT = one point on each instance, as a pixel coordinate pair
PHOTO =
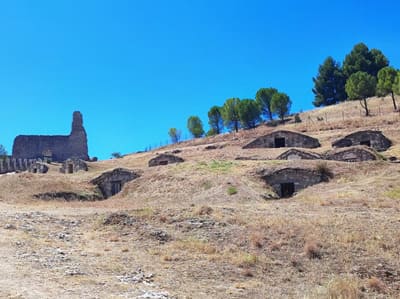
(62, 147)
(8, 165)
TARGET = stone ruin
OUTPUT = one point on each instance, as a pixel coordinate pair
(165, 159)
(284, 138)
(374, 139)
(112, 182)
(73, 165)
(287, 181)
(60, 147)
(296, 154)
(352, 154)
(9, 164)
(38, 167)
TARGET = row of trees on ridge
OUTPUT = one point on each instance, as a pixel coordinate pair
(364, 73)
(238, 113)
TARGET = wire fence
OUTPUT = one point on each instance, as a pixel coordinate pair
(344, 115)
(316, 117)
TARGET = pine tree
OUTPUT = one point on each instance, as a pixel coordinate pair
(195, 126)
(280, 104)
(263, 99)
(386, 83)
(329, 85)
(360, 86)
(230, 114)
(249, 113)
(362, 59)
(215, 120)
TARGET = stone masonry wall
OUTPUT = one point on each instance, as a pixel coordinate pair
(62, 147)
(291, 139)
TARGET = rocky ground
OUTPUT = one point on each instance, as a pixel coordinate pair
(207, 228)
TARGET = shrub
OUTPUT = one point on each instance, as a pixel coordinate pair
(325, 172)
(204, 210)
(257, 240)
(116, 155)
(342, 287)
(311, 249)
(377, 285)
(297, 118)
(232, 190)
(273, 123)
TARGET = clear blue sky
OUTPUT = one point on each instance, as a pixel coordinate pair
(136, 68)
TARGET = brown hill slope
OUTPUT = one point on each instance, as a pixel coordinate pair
(206, 228)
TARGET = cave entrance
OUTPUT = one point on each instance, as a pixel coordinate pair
(116, 187)
(287, 189)
(280, 142)
(70, 168)
(366, 142)
(163, 162)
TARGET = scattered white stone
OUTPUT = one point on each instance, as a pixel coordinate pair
(154, 295)
(10, 226)
(137, 277)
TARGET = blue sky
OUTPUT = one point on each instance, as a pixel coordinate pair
(137, 68)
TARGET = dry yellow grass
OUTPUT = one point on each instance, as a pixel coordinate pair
(337, 239)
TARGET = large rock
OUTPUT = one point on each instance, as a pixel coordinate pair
(284, 138)
(374, 139)
(61, 147)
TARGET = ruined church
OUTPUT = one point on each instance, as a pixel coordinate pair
(59, 148)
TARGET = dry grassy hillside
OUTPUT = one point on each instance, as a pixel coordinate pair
(206, 228)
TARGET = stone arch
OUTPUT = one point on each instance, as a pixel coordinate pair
(284, 138)
(352, 154)
(73, 165)
(296, 154)
(112, 182)
(287, 181)
(373, 139)
(165, 159)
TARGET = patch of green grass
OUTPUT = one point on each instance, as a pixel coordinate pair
(393, 193)
(244, 259)
(232, 190)
(216, 166)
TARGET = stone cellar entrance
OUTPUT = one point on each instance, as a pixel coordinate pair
(70, 168)
(116, 187)
(287, 181)
(287, 189)
(280, 142)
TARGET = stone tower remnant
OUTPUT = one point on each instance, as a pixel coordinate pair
(61, 147)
